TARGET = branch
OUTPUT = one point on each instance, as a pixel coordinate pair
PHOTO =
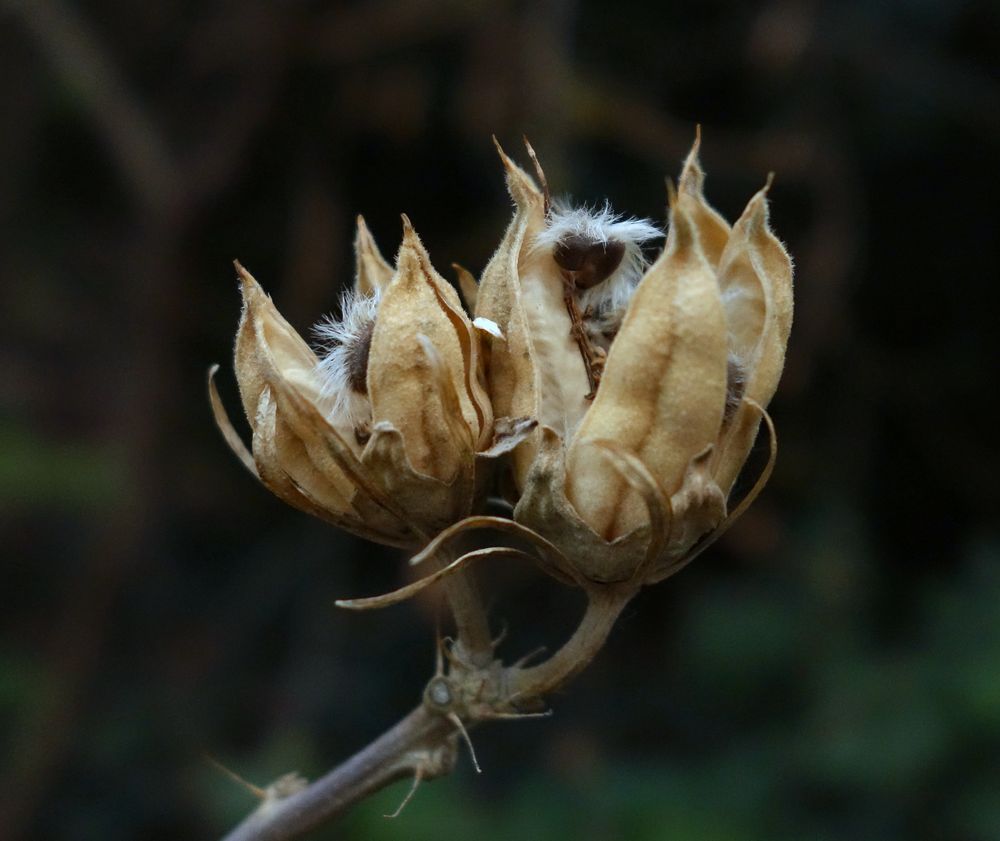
(75, 53)
(473, 628)
(604, 606)
(423, 743)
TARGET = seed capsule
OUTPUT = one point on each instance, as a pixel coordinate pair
(382, 431)
(630, 484)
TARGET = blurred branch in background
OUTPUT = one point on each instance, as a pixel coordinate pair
(74, 54)
(166, 195)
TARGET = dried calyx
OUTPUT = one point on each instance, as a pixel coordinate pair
(623, 487)
(382, 432)
(624, 396)
(641, 437)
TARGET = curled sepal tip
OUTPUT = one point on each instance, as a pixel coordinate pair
(550, 559)
(372, 271)
(467, 285)
(229, 433)
(411, 590)
(762, 479)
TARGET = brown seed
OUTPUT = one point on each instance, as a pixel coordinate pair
(357, 359)
(590, 261)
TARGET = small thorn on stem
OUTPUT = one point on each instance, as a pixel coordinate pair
(501, 636)
(256, 791)
(447, 648)
(516, 716)
(454, 719)
(527, 658)
(418, 776)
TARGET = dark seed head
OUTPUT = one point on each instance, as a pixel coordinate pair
(590, 261)
(357, 359)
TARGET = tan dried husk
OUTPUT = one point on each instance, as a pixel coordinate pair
(372, 271)
(431, 417)
(592, 478)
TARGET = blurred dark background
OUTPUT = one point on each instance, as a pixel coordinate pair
(830, 671)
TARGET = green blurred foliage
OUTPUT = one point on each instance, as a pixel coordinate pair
(37, 472)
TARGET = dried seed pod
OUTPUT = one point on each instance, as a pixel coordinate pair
(381, 436)
(632, 480)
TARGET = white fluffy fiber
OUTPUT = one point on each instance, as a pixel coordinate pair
(603, 224)
(336, 340)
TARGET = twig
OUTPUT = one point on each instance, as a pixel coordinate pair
(395, 754)
(475, 641)
(423, 743)
(75, 54)
(162, 191)
(603, 608)
(365, 31)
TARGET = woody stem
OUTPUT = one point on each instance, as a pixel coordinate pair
(604, 605)
(382, 762)
(397, 753)
(475, 643)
